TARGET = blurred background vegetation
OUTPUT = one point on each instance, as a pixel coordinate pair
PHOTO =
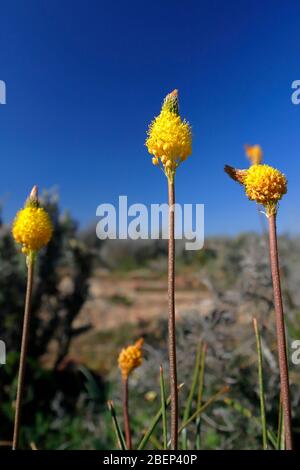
(91, 298)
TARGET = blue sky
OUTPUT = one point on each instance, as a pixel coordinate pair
(85, 78)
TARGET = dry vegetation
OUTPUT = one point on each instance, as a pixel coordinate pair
(96, 297)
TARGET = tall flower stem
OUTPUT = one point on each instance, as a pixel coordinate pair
(280, 328)
(24, 346)
(126, 414)
(171, 317)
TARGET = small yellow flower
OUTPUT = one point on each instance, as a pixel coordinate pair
(254, 153)
(32, 227)
(130, 358)
(262, 183)
(169, 137)
(265, 184)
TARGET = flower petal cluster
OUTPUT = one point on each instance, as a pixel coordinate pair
(32, 228)
(130, 358)
(265, 184)
(169, 137)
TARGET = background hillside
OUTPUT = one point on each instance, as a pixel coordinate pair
(99, 296)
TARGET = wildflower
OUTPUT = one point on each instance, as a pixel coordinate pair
(169, 137)
(266, 185)
(130, 358)
(262, 183)
(170, 142)
(32, 227)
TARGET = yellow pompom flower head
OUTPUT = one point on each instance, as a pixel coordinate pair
(130, 358)
(262, 183)
(32, 227)
(169, 137)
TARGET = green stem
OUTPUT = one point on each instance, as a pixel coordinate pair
(203, 408)
(248, 414)
(188, 406)
(280, 431)
(200, 393)
(261, 386)
(117, 428)
(154, 423)
(163, 408)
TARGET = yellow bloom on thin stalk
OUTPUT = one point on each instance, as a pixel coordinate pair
(169, 137)
(32, 227)
(170, 142)
(266, 185)
(130, 358)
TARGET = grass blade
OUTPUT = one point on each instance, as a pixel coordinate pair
(191, 395)
(261, 386)
(117, 429)
(280, 443)
(209, 402)
(248, 414)
(154, 423)
(156, 443)
(163, 407)
(200, 393)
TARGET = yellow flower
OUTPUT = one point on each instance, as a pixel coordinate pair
(254, 153)
(265, 184)
(32, 227)
(169, 137)
(130, 358)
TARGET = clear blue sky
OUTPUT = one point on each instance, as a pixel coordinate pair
(84, 78)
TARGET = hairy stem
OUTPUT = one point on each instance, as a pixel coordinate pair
(280, 328)
(23, 354)
(126, 414)
(171, 318)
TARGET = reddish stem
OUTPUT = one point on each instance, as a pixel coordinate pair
(126, 414)
(23, 354)
(280, 328)
(171, 319)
